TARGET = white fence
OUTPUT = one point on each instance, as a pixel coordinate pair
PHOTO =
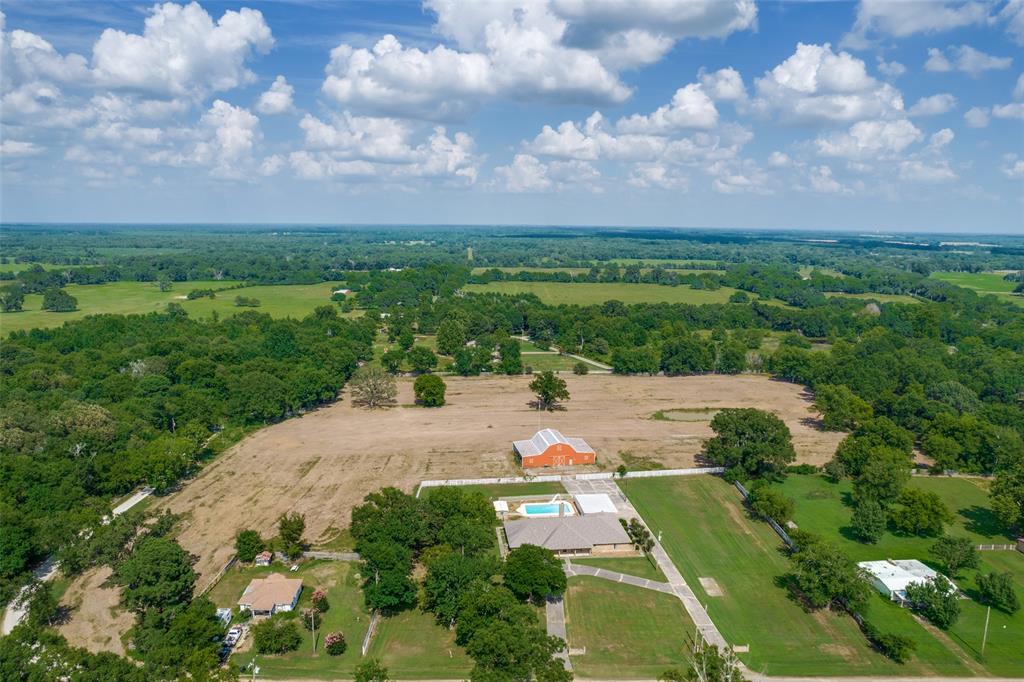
(606, 475)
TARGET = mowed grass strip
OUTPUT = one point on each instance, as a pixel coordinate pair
(881, 298)
(706, 532)
(823, 508)
(641, 566)
(587, 293)
(496, 490)
(412, 646)
(628, 632)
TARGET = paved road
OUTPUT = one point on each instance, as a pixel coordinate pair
(555, 612)
(15, 611)
(680, 589)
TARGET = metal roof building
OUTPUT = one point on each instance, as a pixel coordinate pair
(549, 447)
(892, 576)
(592, 534)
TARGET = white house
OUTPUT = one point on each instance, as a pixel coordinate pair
(892, 576)
(270, 595)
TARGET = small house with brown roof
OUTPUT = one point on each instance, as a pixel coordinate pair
(270, 595)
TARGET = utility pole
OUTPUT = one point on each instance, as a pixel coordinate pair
(984, 637)
(312, 621)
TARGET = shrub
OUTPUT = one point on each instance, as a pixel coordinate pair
(248, 544)
(997, 590)
(580, 368)
(319, 600)
(897, 647)
(335, 643)
(429, 390)
(768, 503)
(803, 469)
(276, 635)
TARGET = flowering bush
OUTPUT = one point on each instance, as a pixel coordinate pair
(319, 600)
(335, 643)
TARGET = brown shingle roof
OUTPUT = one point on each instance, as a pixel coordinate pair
(263, 594)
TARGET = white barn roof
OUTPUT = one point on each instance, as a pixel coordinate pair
(896, 574)
(544, 439)
(595, 503)
(565, 533)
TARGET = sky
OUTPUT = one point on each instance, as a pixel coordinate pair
(870, 115)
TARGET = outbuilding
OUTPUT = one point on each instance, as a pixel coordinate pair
(892, 576)
(549, 448)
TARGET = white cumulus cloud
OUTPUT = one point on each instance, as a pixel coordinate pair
(964, 58)
(933, 105)
(870, 139)
(278, 99)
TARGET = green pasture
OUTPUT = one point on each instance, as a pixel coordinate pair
(628, 632)
(411, 645)
(586, 293)
(707, 533)
(823, 508)
(496, 490)
(880, 298)
(983, 283)
(346, 614)
(127, 298)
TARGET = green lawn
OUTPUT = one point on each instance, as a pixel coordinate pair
(496, 490)
(126, 298)
(346, 614)
(18, 267)
(881, 298)
(708, 534)
(821, 509)
(552, 362)
(628, 632)
(412, 646)
(982, 282)
(584, 293)
(640, 566)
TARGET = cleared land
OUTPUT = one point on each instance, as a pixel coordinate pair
(983, 283)
(708, 534)
(881, 298)
(822, 508)
(127, 298)
(585, 293)
(628, 632)
(97, 621)
(322, 464)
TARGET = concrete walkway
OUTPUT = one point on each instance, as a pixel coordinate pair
(572, 569)
(680, 589)
(554, 610)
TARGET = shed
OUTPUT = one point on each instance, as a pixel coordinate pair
(549, 448)
(264, 558)
(892, 576)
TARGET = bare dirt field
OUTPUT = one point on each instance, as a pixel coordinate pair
(96, 621)
(323, 463)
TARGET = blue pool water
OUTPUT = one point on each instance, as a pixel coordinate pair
(535, 509)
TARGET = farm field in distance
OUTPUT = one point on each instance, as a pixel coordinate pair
(707, 533)
(881, 298)
(821, 508)
(983, 283)
(128, 298)
(589, 293)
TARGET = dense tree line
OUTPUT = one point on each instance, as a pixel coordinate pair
(98, 407)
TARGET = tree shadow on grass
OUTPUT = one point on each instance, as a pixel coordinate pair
(787, 582)
(983, 521)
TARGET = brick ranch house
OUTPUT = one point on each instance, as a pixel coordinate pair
(549, 448)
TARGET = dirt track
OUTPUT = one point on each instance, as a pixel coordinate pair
(323, 464)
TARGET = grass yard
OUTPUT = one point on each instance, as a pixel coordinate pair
(821, 508)
(127, 298)
(881, 298)
(983, 283)
(346, 614)
(628, 632)
(496, 490)
(586, 293)
(552, 362)
(708, 534)
(412, 646)
(640, 566)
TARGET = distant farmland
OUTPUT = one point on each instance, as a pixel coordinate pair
(586, 293)
(983, 283)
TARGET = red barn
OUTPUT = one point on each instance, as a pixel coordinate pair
(549, 448)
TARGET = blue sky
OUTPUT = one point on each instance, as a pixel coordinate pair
(706, 113)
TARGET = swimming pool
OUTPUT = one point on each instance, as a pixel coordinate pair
(537, 509)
